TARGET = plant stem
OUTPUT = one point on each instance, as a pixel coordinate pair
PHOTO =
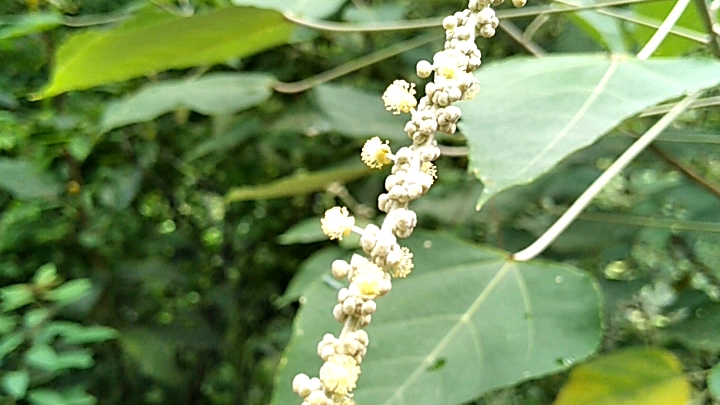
(664, 30)
(586, 197)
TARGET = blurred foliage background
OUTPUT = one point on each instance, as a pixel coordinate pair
(185, 253)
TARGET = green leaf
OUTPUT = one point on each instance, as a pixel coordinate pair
(81, 358)
(699, 331)
(713, 382)
(152, 354)
(24, 182)
(10, 342)
(155, 40)
(15, 296)
(15, 383)
(78, 396)
(306, 231)
(212, 94)
(604, 30)
(532, 113)
(69, 292)
(43, 357)
(78, 334)
(45, 276)
(225, 141)
(673, 45)
(43, 396)
(7, 324)
(466, 321)
(635, 376)
(358, 113)
(36, 316)
(29, 24)
(298, 184)
(306, 8)
(311, 271)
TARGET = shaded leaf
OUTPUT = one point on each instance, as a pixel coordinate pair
(78, 396)
(122, 186)
(225, 141)
(306, 231)
(465, 322)
(604, 30)
(23, 181)
(36, 316)
(81, 358)
(212, 94)
(155, 40)
(298, 184)
(355, 112)
(306, 8)
(18, 26)
(78, 334)
(15, 383)
(701, 328)
(713, 382)
(154, 357)
(532, 113)
(10, 342)
(635, 376)
(311, 271)
(7, 324)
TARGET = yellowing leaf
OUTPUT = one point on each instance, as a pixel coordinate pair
(636, 376)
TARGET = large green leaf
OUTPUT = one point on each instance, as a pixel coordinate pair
(635, 376)
(307, 8)
(26, 24)
(213, 94)
(532, 113)
(466, 321)
(155, 40)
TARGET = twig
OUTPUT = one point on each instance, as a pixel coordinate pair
(356, 64)
(586, 197)
(706, 17)
(516, 34)
(688, 170)
(662, 32)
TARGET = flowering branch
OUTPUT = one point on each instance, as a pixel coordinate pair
(412, 175)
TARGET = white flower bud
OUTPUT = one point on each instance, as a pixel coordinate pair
(300, 385)
(340, 269)
(384, 202)
(368, 308)
(454, 94)
(315, 384)
(424, 69)
(348, 306)
(326, 351)
(351, 346)
(519, 3)
(485, 16)
(362, 337)
(338, 313)
(343, 294)
(487, 31)
(318, 398)
(449, 22)
(414, 191)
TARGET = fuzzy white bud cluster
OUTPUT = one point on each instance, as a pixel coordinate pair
(412, 175)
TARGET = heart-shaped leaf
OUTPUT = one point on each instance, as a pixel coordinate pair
(466, 321)
(212, 94)
(155, 40)
(532, 113)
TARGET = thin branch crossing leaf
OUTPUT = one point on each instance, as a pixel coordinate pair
(532, 113)
(466, 321)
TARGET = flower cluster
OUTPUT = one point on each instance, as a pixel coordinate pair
(412, 175)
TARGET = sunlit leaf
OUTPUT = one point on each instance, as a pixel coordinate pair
(713, 382)
(155, 40)
(42, 396)
(532, 113)
(43, 357)
(636, 376)
(24, 181)
(298, 184)
(306, 8)
(69, 292)
(466, 321)
(212, 94)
